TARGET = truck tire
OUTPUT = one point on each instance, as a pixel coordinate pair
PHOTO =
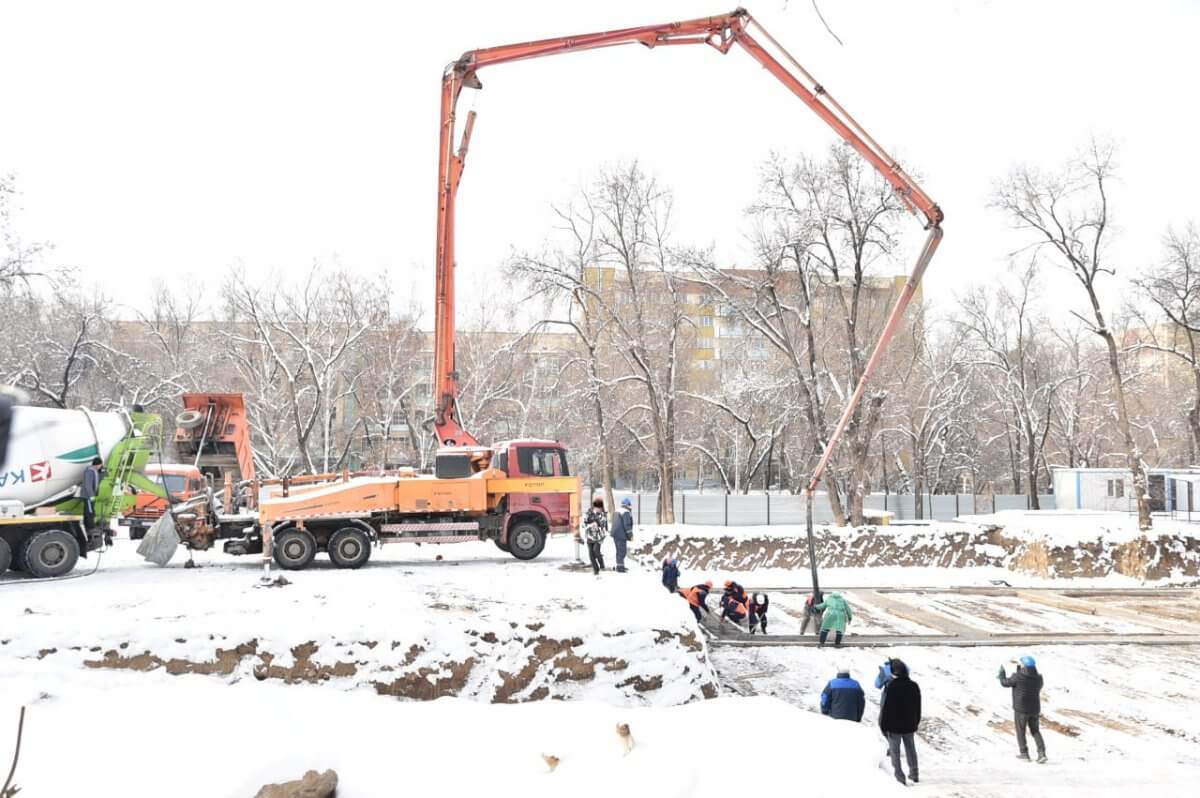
(137, 532)
(502, 546)
(526, 540)
(349, 547)
(51, 553)
(5, 556)
(294, 549)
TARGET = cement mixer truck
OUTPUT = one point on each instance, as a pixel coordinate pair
(41, 476)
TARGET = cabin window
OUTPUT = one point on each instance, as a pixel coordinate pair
(175, 483)
(1116, 488)
(537, 462)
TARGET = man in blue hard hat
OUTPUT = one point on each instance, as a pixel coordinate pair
(622, 531)
(1026, 684)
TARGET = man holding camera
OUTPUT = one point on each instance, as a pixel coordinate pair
(1026, 684)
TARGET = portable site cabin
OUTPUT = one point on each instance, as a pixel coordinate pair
(1171, 489)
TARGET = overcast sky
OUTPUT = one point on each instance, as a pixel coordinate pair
(156, 139)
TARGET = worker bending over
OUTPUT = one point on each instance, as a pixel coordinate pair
(758, 612)
(697, 598)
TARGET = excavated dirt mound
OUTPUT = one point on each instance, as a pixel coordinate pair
(524, 666)
(960, 546)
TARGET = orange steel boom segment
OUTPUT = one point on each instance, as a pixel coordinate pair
(721, 33)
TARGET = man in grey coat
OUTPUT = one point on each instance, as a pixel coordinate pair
(1026, 684)
(622, 531)
(91, 489)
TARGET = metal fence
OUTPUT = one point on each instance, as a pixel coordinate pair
(760, 509)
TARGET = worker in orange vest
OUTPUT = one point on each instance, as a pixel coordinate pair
(697, 598)
(734, 608)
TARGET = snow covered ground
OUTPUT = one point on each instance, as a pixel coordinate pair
(200, 682)
(1118, 720)
(465, 620)
(118, 734)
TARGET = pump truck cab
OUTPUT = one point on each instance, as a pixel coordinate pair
(42, 474)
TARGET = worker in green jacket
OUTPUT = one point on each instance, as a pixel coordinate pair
(836, 615)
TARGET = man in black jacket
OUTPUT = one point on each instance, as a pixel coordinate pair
(899, 717)
(1026, 684)
(622, 532)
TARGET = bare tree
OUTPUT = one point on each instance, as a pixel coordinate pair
(1173, 286)
(824, 226)
(18, 259)
(1007, 337)
(930, 403)
(55, 344)
(635, 308)
(649, 315)
(302, 335)
(574, 302)
(1067, 214)
(388, 396)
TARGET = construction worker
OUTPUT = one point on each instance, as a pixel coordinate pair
(91, 489)
(811, 615)
(758, 612)
(837, 615)
(733, 608)
(899, 717)
(1026, 684)
(670, 574)
(733, 591)
(622, 531)
(843, 698)
(885, 674)
(697, 598)
(595, 529)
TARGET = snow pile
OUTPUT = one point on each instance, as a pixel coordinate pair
(477, 624)
(1080, 543)
(1047, 544)
(785, 547)
(119, 740)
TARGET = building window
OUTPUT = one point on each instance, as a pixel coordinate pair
(706, 321)
(1116, 488)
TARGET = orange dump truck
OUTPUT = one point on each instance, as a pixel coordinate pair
(516, 494)
(181, 481)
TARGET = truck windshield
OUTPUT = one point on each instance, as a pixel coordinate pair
(539, 462)
(175, 483)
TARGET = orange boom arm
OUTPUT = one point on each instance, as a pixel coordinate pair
(720, 33)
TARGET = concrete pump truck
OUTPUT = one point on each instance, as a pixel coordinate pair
(517, 492)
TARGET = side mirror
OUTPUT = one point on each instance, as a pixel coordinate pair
(6, 413)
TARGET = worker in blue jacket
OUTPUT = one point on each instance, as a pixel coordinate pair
(885, 675)
(843, 697)
(670, 574)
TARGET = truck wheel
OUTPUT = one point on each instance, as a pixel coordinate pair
(349, 547)
(51, 553)
(502, 546)
(137, 532)
(5, 556)
(526, 541)
(294, 549)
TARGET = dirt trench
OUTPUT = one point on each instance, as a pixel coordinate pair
(549, 668)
